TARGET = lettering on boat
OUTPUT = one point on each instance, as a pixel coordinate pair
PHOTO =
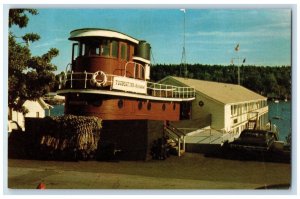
(129, 84)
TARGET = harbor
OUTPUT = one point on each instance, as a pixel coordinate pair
(113, 118)
(215, 137)
(112, 109)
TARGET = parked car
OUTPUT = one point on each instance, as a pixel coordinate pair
(256, 140)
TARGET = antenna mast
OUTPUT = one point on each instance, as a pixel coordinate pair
(183, 56)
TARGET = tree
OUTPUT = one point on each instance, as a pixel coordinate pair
(29, 77)
(268, 81)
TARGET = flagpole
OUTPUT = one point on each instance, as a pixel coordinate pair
(237, 48)
(239, 80)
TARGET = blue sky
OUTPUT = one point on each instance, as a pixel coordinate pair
(264, 35)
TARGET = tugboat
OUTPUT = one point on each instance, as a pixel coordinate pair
(109, 78)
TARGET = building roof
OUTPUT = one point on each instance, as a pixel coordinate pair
(44, 104)
(39, 101)
(222, 92)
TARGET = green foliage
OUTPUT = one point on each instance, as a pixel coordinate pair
(30, 77)
(30, 37)
(19, 17)
(268, 81)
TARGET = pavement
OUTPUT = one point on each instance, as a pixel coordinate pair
(192, 171)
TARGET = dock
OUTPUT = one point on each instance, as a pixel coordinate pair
(198, 136)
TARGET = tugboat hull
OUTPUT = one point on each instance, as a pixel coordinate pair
(121, 108)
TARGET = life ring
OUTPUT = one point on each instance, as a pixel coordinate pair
(98, 83)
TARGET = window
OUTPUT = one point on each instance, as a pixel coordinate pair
(37, 114)
(120, 103)
(124, 51)
(234, 109)
(114, 49)
(81, 51)
(91, 48)
(105, 48)
(140, 105)
(201, 103)
(139, 71)
(142, 70)
(75, 51)
(136, 70)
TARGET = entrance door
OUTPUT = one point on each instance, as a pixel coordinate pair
(185, 110)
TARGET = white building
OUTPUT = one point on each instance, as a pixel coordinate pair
(229, 106)
(35, 109)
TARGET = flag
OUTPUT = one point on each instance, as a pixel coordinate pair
(237, 48)
(183, 10)
(244, 60)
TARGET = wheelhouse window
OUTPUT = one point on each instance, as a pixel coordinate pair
(124, 54)
(114, 49)
(91, 48)
(98, 47)
(139, 71)
(105, 48)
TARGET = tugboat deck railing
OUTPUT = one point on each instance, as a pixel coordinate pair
(81, 80)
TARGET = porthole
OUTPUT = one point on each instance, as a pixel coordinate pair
(163, 107)
(149, 106)
(140, 105)
(201, 103)
(120, 103)
(97, 102)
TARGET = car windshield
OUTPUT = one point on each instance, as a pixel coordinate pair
(253, 134)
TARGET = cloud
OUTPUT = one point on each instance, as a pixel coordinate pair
(52, 43)
(257, 23)
(259, 32)
(43, 44)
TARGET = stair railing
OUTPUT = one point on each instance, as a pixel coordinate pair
(180, 137)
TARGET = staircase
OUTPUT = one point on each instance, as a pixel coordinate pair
(252, 124)
(176, 139)
(252, 120)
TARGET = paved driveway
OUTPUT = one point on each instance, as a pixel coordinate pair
(191, 171)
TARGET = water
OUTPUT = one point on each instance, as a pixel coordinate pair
(283, 111)
(57, 110)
